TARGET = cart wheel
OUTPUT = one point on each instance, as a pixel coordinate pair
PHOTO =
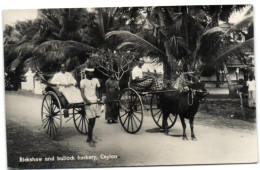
(80, 120)
(157, 113)
(51, 114)
(131, 110)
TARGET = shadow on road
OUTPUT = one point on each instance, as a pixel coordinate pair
(159, 130)
(155, 130)
(178, 136)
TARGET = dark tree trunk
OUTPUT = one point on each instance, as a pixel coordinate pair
(170, 64)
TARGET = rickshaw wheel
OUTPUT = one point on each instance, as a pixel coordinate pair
(80, 120)
(130, 110)
(51, 114)
(157, 114)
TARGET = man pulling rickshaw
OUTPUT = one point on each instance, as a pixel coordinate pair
(86, 95)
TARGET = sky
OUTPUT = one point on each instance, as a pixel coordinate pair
(12, 16)
(237, 16)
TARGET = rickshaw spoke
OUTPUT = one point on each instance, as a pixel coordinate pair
(159, 118)
(46, 108)
(44, 120)
(137, 118)
(85, 120)
(126, 119)
(46, 101)
(79, 123)
(44, 124)
(48, 127)
(56, 118)
(135, 122)
(51, 108)
(54, 107)
(47, 122)
(132, 123)
(123, 114)
(55, 124)
(78, 117)
(82, 125)
(128, 122)
(170, 118)
(85, 124)
(139, 104)
(46, 113)
(157, 113)
(57, 112)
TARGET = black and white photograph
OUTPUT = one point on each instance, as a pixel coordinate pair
(129, 86)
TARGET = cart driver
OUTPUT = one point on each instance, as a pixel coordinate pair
(66, 85)
(140, 82)
(90, 91)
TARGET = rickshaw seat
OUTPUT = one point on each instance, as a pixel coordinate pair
(63, 101)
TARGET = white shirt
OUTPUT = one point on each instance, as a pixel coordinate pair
(63, 78)
(137, 72)
(90, 88)
(251, 85)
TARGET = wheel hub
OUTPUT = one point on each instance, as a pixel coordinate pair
(129, 111)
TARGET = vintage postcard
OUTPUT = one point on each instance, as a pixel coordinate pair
(130, 86)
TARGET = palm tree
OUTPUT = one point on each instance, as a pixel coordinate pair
(50, 38)
(224, 49)
(169, 33)
(192, 36)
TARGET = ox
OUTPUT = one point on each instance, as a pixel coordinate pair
(185, 104)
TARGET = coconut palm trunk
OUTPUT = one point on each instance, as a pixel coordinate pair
(170, 65)
(228, 78)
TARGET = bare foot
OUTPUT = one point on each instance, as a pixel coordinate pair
(92, 144)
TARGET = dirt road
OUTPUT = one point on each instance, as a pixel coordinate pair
(149, 146)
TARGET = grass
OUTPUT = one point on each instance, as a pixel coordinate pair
(225, 111)
(22, 142)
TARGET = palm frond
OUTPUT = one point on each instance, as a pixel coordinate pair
(249, 11)
(243, 23)
(15, 64)
(177, 42)
(209, 42)
(62, 45)
(26, 47)
(140, 43)
(238, 50)
(124, 44)
(213, 31)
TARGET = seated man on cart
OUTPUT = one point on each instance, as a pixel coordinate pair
(66, 85)
(141, 83)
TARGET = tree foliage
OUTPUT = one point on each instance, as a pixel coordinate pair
(182, 37)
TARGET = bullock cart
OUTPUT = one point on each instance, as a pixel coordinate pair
(133, 104)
